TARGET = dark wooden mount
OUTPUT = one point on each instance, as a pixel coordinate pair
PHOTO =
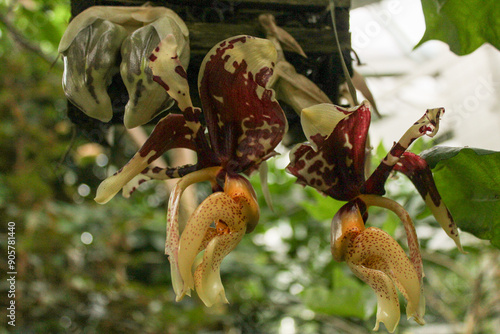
(210, 21)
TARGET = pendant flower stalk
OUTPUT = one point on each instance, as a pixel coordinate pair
(333, 162)
(243, 125)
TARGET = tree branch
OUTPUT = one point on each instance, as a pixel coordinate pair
(23, 41)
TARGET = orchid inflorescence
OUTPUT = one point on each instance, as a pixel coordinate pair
(244, 123)
(334, 163)
(241, 126)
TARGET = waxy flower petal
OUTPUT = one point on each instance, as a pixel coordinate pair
(377, 259)
(245, 122)
(234, 213)
(169, 71)
(335, 164)
(174, 227)
(146, 97)
(170, 132)
(417, 170)
(371, 254)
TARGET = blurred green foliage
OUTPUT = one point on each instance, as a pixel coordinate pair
(89, 268)
(464, 25)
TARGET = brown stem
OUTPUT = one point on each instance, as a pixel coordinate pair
(23, 41)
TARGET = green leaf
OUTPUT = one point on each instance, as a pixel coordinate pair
(348, 298)
(321, 207)
(469, 181)
(464, 25)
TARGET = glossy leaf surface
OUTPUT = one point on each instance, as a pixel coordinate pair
(464, 25)
(469, 182)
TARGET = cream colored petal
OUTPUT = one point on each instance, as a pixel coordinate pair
(428, 125)
(113, 184)
(375, 249)
(133, 184)
(322, 119)
(387, 297)
(263, 171)
(207, 275)
(445, 220)
(218, 206)
(172, 241)
(411, 234)
(146, 98)
(89, 65)
(129, 17)
(169, 72)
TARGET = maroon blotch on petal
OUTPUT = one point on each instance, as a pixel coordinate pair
(244, 121)
(417, 170)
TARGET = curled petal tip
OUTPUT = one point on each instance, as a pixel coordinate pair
(431, 126)
(207, 276)
(107, 190)
(113, 184)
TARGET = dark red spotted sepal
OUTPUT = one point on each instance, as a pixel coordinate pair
(417, 170)
(245, 122)
(334, 163)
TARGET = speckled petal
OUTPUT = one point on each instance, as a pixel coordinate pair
(244, 120)
(207, 275)
(218, 206)
(376, 251)
(428, 125)
(417, 170)
(90, 47)
(387, 298)
(173, 228)
(169, 72)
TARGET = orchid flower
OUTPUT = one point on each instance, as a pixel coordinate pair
(244, 123)
(333, 163)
